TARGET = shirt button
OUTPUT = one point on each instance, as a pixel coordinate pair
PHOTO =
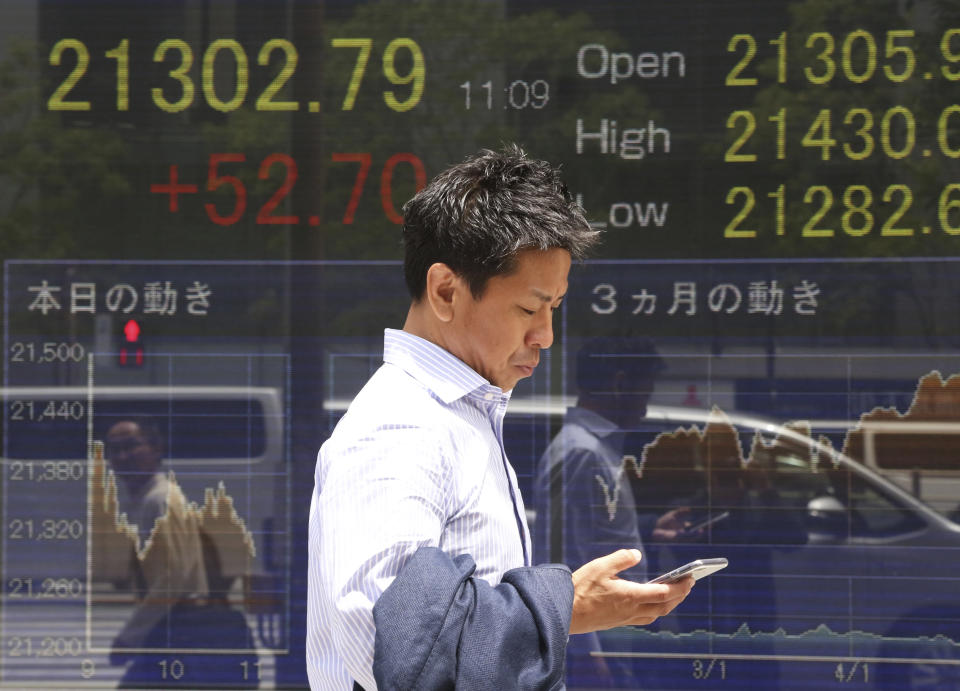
(488, 396)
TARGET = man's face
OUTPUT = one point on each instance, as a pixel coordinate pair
(501, 334)
(128, 449)
(631, 400)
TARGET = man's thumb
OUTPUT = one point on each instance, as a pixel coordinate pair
(623, 559)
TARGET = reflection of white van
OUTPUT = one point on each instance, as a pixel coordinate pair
(829, 560)
(202, 425)
(923, 457)
(212, 435)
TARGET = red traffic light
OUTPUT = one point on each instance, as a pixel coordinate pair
(132, 331)
(131, 350)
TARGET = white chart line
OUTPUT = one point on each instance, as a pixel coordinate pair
(776, 658)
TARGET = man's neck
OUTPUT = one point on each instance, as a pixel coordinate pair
(419, 323)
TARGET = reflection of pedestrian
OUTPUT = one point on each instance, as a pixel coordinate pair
(181, 594)
(170, 566)
(582, 491)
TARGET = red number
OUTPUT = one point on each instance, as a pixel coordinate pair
(364, 161)
(386, 182)
(215, 180)
(264, 216)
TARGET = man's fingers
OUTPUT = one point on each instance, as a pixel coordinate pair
(622, 559)
(660, 599)
(602, 600)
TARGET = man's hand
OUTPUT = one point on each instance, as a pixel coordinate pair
(603, 600)
(672, 525)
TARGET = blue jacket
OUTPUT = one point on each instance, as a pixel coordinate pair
(437, 627)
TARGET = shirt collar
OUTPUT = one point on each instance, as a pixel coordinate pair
(446, 375)
(595, 423)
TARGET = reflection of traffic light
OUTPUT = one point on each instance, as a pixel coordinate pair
(131, 349)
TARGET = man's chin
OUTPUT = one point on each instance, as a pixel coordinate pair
(523, 371)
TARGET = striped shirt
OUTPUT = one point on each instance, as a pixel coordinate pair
(417, 460)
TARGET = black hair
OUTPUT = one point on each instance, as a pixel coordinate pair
(149, 429)
(476, 216)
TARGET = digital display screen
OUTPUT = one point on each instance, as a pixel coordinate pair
(200, 209)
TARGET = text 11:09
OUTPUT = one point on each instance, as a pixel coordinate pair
(519, 95)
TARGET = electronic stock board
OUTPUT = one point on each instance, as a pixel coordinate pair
(200, 204)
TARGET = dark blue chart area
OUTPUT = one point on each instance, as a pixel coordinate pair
(762, 419)
(202, 241)
(767, 420)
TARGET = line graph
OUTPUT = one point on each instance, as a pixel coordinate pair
(178, 551)
(926, 437)
(111, 534)
(817, 644)
(98, 587)
(823, 547)
(217, 516)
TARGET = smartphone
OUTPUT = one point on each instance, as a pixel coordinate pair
(697, 568)
(708, 521)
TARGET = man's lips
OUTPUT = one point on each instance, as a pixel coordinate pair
(527, 369)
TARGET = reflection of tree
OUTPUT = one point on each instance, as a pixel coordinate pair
(850, 104)
(60, 188)
(79, 186)
(463, 41)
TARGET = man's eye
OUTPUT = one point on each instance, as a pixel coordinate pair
(528, 312)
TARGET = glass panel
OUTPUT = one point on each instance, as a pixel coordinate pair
(200, 233)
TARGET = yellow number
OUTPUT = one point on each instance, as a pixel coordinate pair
(364, 44)
(824, 140)
(862, 209)
(242, 75)
(946, 206)
(889, 228)
(863, 133)
(949, 54)
(781, 119)
(781, 215)
(734, 78)
(825, 56)
(417, 73)
(731, 231)
(909, 59)
(122, 55)
(266, 102)
(847, 56)
(909, 126)
(942, 131)
(56, 101)
(180, 74)
(781, 43)
(810, 230)
(750, 125)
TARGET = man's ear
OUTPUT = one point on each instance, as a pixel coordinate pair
(443, 291)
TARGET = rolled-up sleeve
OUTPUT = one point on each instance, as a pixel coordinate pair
(438, 627)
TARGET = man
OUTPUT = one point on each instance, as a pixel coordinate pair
(583, 497)
(169, 566)
(181, 594)
(417, 462)
(582, 490)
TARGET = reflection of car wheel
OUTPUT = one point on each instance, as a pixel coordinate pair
(935, 675)
(940, 668)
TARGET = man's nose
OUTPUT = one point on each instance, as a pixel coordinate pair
(541, 335)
